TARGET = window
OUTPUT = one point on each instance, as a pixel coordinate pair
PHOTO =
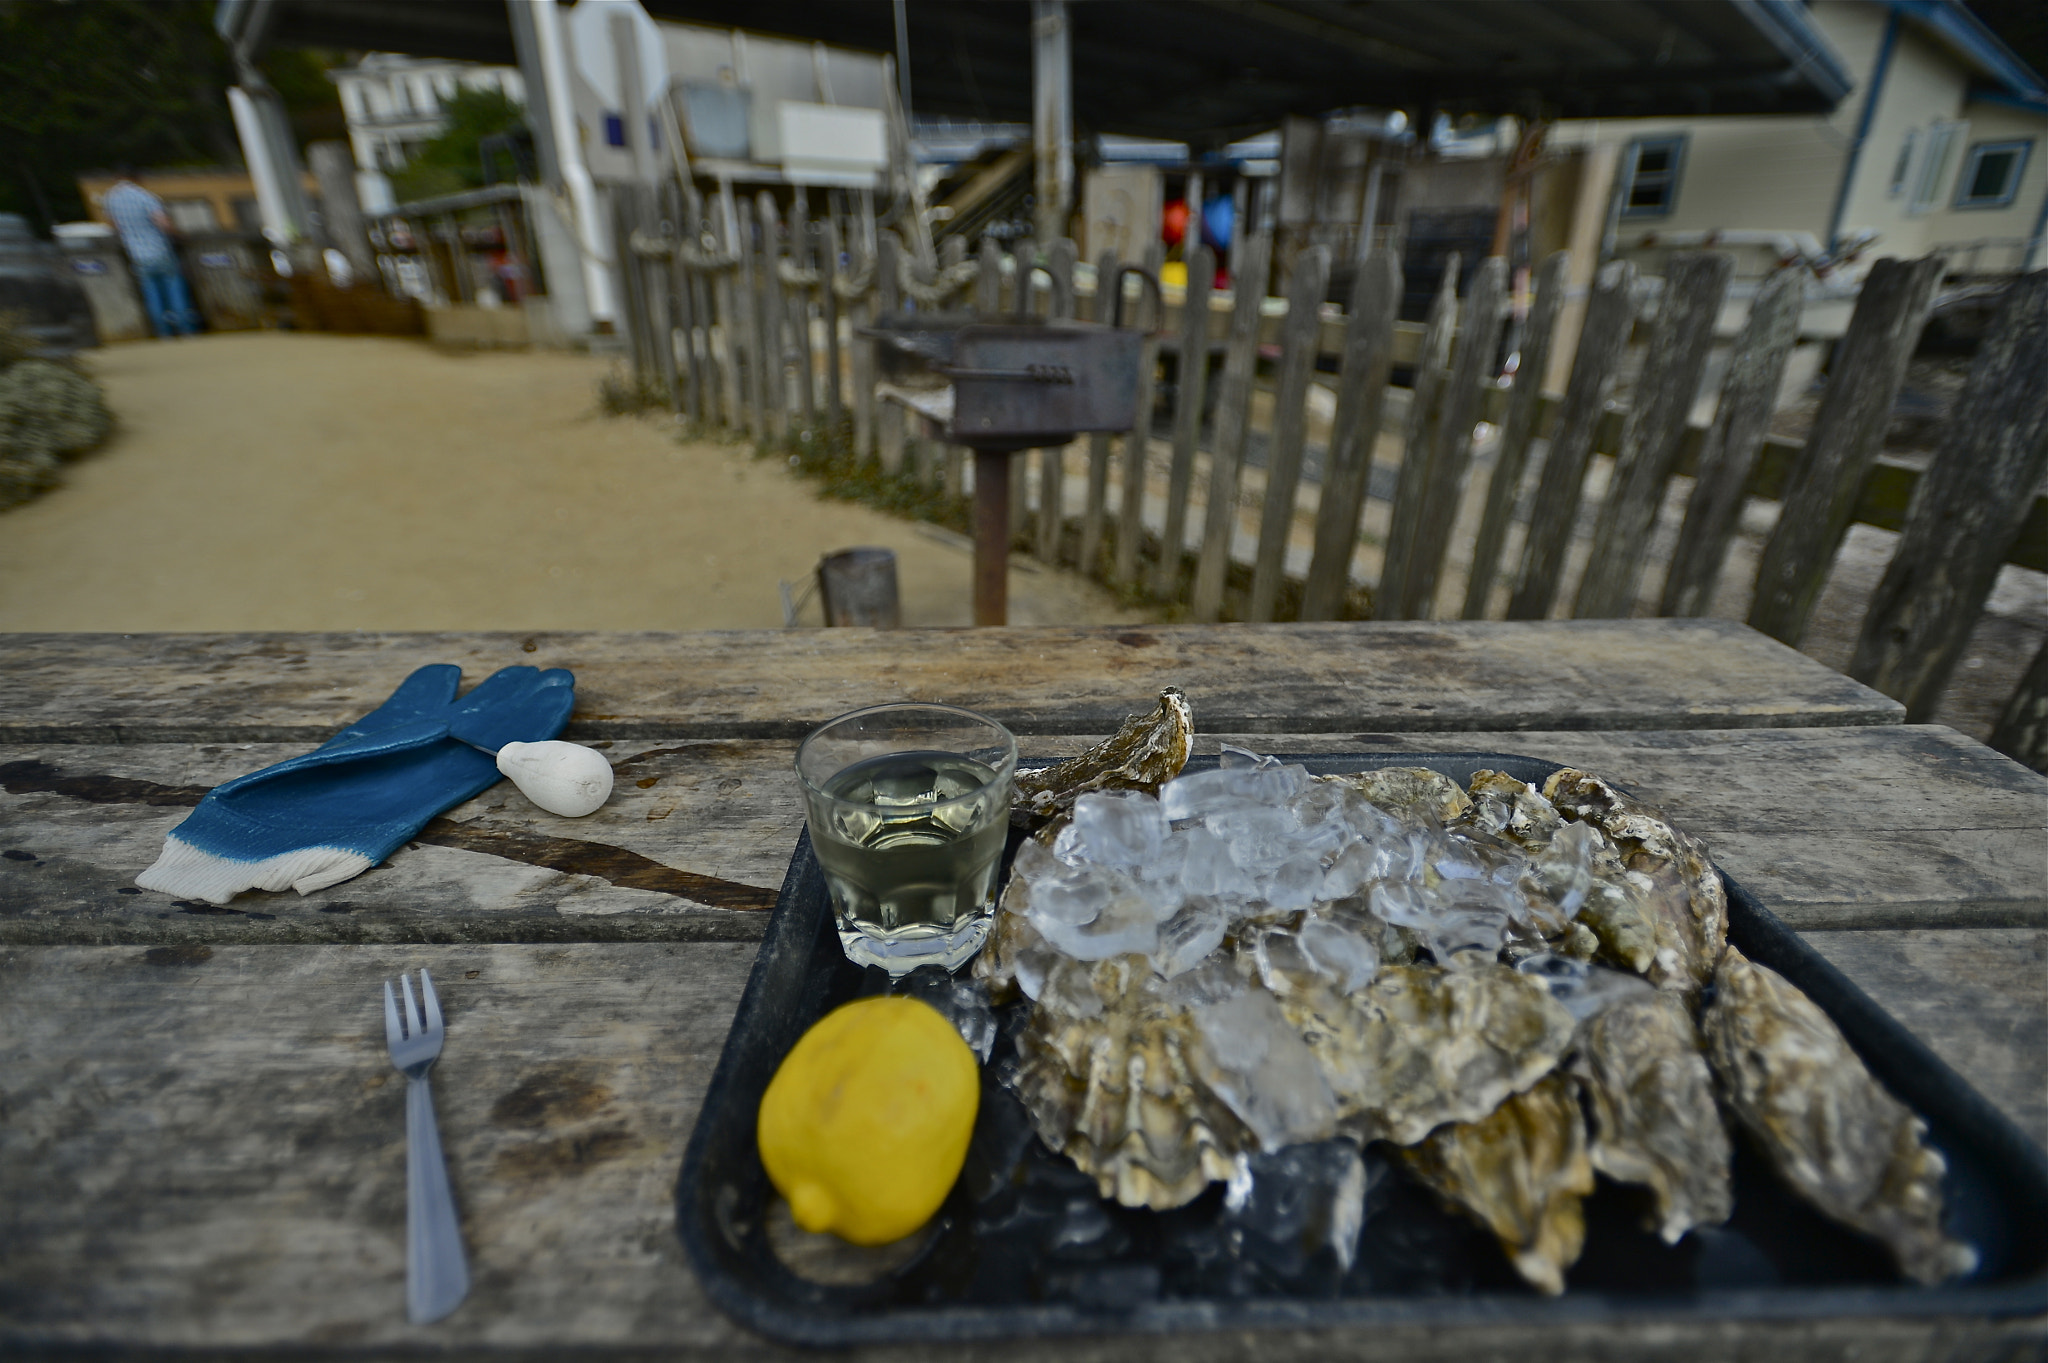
(1651, 187)
(1991, 175)
(1942, 138)
(1904, 165)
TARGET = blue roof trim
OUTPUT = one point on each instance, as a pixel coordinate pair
(1785, 25)
(1967, 36)
(1982, 94)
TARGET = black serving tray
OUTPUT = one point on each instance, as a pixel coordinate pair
(976, 1278)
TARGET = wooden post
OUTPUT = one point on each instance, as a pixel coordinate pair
(720, 288)
(1694, 284)
(1020, 466)
(1741, 420)
(888, 415)
(776, 347)
(835, 390)
(1361, 400)
(1610, 316)
(1299, 341)
(800, 316)
(1517, 433)
(1863, 382)
(1052, 459)
(865, 376)
(747, 304)
(1052, 117)
(1233, 424)
(1097, 509)
(1130, 511)
(988, 279)
(1966, 511)
(632, 304)
(991, 537)
(1187, 418)
(2022, 732)
(1443, 487)
(1430, 363)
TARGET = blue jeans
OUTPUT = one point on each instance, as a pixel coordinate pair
(170, 306)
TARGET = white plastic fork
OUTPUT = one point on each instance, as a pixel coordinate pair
(436, 1270)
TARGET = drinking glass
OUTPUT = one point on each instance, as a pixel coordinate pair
(908, 806)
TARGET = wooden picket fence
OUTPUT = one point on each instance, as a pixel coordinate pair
(745, 315)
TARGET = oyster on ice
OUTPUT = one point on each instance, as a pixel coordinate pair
(1830, 1129)
(1408, 790)
(1421, 1046)
(1689, 907)
(1521, 1171)
(1144, 753)
(1654, 1118)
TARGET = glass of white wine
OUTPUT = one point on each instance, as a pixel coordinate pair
(908, 806)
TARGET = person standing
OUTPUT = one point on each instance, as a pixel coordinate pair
(145, 229)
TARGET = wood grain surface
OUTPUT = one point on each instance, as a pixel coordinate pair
(205, 1151)
(1833, 828)
(1307, 678)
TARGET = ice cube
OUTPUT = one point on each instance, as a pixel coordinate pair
(1118, 827)
(1256, 1062)
(962, 1002)
(1584, 989)
(1259, 837)
(1069, 990)
(1210, 792)
(1234, 758)
(1294, 882)
(1073, 896)
(1350, 872)
(1286, 1206)
(1127, 923)
(1187, 938)
(1207, 867)
(1345, 958)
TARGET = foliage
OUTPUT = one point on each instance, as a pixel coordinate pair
(451, 161)
(87, 86)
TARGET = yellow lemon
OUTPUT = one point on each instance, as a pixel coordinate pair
(865, 1125)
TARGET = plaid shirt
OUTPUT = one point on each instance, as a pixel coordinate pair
(131, 207)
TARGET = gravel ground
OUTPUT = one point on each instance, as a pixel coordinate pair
(280, 481)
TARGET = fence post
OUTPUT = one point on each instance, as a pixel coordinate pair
(1361, 400)
(1052, 459)
(1103, 312)
(774, 319)
(1019, 465)
(747, 303)
(1233, 423)
(2022, 732)
(1299, 342)
(1187, 419)
(1420, 430)
(1966, 511)
(1517, 433)
(1741, 420)
(835, 391)
(1450, 451)
(1694, 284)
(800, 312)
(888, 416)
(1863, 382)
(1130, 511)
(1603, 336)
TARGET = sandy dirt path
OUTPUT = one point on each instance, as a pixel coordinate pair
(275, 481)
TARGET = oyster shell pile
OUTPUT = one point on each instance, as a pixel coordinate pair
(1502, 981)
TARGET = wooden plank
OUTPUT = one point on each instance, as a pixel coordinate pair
(1305, 289)
(1603, 337)
(1130, 511)
(889, 422)
(1869, 828)
(988, 279)
(1518, 431)
(1193, 374)
(1868, 368)
(747, 300)
(301, 688)
(775, 374)
(800, 252)
(2022, 732)
(1232, 425)
(1756, 370)
(828, 300)
(1095, 512)
(1968, 507)
(1424, 393)
(1354, 433)
(1450, 448)
(159, 1211)
(1694, 284)
(1052, 491)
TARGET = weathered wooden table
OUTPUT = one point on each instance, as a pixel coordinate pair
(201, 1141)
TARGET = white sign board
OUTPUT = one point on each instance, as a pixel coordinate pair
(829, 144)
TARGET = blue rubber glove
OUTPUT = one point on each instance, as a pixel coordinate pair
(320, 818)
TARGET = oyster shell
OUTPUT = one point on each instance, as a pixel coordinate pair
(1654, 1118)
(1521, 1172)
(1830, 1129)
(1512, 809)
(1687, 903)
(1421, 1046)
(1408, 791)
(1144, 753)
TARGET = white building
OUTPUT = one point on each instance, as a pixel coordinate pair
(393, 103)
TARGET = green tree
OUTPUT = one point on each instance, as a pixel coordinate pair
(452, 161)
